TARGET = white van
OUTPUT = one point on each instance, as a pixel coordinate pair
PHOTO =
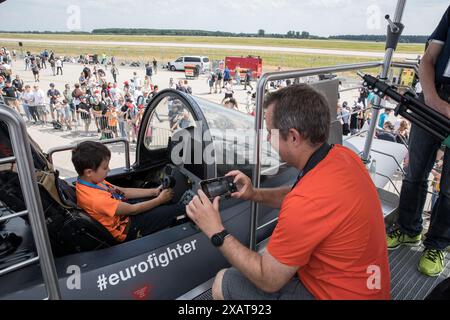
(181, 62)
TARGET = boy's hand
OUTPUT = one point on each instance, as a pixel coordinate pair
(165, 196)
(158, 191)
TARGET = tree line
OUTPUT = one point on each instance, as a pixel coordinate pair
(204, 33)
(260, 34)
(381, 38)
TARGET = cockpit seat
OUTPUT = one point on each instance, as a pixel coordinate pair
(71, 230)
(77, 232)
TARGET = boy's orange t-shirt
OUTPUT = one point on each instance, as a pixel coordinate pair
(331, 225)
(101, 206)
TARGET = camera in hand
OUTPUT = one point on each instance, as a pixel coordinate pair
(219, 187)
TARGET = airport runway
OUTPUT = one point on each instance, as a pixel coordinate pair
(219, 46)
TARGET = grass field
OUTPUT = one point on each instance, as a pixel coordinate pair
(270, 59)
(295, 43)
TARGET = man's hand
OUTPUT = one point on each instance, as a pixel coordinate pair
(165, 196)
(439, 105)
(205, 214)
(244, 186)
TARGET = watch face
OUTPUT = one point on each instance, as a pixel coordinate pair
(216, 240)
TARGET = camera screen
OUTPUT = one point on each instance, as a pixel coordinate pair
(218, 187)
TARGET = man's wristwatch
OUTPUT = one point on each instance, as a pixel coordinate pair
(218, 238)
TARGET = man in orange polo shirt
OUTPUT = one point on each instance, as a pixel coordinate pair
(329, 242)
(126, 219)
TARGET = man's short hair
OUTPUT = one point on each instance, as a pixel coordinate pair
(89, 155)
(302, 108)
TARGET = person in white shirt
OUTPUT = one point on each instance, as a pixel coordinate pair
(137, 81)
(28, 104)
(59, 65)
(248, 102)
(114, 94)
(172, 84)
(137, 93)
(39, 102)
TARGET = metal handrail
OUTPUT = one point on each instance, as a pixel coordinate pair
(18, 266)
(54, 150)
(260, 93)
(7, 160)
(356, 135)
(390, 156)
(390, 180)
(340, 117)
(13, 215)
(350, 89)
(406, 65)
(24, 160)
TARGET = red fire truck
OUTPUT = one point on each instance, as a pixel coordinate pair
(245, 63)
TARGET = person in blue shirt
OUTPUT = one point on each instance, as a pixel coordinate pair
(371, 99)
(384, 117)
(434, 74)
(226, 75)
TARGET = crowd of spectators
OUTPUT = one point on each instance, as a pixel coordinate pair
(115, 109)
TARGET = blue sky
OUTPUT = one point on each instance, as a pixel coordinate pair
(319, 17)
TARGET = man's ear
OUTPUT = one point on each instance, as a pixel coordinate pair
(295, 137)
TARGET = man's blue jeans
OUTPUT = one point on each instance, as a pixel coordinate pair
(122, 130)
(422, 154)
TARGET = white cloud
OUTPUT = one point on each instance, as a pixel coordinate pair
(320, 17)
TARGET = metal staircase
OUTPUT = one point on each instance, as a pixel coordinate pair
(407, 283)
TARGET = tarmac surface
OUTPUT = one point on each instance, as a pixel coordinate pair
(349, 53)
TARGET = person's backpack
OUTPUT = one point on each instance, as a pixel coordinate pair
(56, 125)
(132, 111)
(140, 100)
(93, 102)
(219, 75)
